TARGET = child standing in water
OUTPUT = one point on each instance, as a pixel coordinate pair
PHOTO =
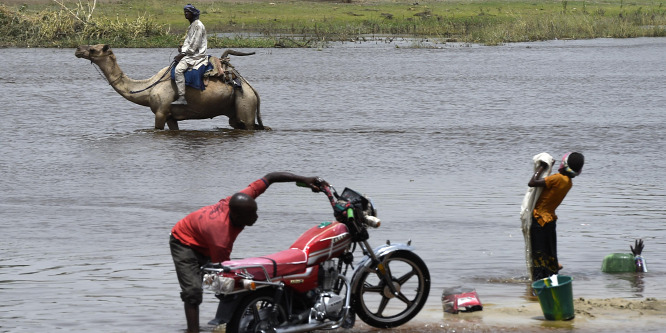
(542, 230)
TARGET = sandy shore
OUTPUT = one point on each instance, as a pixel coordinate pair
(591, 315)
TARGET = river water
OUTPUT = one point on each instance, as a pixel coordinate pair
(440, 138)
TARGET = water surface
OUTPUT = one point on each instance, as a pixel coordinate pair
(441, 139)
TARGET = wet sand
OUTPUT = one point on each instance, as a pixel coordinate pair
(591, 315)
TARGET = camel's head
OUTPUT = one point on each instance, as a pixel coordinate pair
(93, 52)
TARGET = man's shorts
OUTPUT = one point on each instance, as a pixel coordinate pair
(188, 264)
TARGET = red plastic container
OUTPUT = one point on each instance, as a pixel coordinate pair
(459, 298)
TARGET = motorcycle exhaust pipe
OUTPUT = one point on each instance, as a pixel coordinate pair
(315, 326)
(307, 327)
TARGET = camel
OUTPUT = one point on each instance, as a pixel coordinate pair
(157, 92)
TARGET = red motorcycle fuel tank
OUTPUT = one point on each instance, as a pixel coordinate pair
(325, 241)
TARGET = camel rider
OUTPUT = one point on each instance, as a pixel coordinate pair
(192, 53)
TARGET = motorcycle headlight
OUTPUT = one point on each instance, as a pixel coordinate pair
(372, 221)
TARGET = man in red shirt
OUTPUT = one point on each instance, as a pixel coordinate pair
(208, 235)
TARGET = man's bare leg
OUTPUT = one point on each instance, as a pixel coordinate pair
(192, 316)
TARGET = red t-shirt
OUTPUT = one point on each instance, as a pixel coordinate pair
(209, 230)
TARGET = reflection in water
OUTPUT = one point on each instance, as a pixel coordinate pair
(192, 139)
(635, 284)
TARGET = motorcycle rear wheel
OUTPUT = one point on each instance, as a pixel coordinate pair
(253, 313)
(377, 306)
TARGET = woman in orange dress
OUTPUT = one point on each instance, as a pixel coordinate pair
(543, 228)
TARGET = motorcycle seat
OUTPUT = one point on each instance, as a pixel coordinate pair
(281, 263)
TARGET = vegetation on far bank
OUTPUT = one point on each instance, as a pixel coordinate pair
(299, 23)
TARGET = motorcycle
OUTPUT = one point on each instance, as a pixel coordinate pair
(307, 287)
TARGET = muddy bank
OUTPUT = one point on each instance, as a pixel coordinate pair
(592, 315)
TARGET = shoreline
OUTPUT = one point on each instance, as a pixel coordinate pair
(141, 23)
(591, 315)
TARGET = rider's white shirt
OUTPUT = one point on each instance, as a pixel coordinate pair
(195, 45)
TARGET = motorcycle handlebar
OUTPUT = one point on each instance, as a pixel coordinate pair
(323, 187)
(333, 197)
(319, 182)
(346, 212)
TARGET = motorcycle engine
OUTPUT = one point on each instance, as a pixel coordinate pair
(329, 305)
(328, 275)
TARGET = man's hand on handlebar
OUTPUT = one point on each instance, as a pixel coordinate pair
(316, 184)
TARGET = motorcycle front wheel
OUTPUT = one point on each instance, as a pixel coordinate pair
(373, 300)
(255, 313)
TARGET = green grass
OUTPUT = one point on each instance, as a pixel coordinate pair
(153, 23)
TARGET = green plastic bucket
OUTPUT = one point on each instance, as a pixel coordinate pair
(556, 301)
(618, 263)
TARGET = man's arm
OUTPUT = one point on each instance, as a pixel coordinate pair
(536, 180)
(282, 177)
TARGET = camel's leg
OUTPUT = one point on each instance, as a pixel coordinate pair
(160, 120)
(235, 124)
(160, 104)
(161, 116)
(259, 124)
(173, 124)
(246, 108)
